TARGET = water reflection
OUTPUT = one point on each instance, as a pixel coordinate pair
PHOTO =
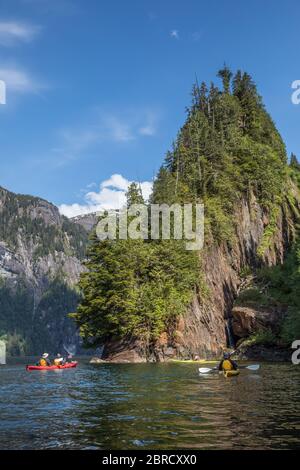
(165, 406)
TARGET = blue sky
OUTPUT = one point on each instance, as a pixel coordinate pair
(97, 88)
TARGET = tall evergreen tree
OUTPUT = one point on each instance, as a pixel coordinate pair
(134, 194)
(227, 148)
(225, 74)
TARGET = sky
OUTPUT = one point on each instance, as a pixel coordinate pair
(96, 91)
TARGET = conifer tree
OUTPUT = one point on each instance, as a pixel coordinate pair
(134, 194)
(225, 74)
(227, 148)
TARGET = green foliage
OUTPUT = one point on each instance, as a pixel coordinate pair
(291, 326)
(31, 326)
(285, 283)
(52, 325)
(281, 285)
(134, 288)
(263, 337)
(15, 344)
(245, 272)
(294, 168)
(269, 231)
(134, 194)
(16, 309)
(252, 296)
(228, 148)
(23, 220)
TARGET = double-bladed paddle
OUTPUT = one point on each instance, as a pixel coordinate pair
(206, 370)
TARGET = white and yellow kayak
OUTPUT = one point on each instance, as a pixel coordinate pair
(230, 373)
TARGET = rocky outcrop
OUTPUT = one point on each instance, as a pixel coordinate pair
(125, 351)
(249, 320)
(205, 322)
(202, 330)
(258, 352)
(87, 221)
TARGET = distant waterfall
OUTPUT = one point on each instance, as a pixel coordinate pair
(229, 335)
(2, 352)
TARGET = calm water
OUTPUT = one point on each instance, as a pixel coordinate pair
(149, 406)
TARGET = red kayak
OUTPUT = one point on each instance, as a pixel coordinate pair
(69, 365)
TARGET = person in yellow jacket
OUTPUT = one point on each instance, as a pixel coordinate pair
(44, 361)
(59, 360)
(227, 363)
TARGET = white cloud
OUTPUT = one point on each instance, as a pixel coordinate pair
(111, 195)
(19, 80)
(118, 131)
(14, 31)
(174, 34)
(148, 130)
(116, 181)
(123, 129)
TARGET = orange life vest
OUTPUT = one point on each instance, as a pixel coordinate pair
(43, 362)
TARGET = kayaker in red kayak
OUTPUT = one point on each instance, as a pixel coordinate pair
(59, 360)
(44, 361)
(227, 363)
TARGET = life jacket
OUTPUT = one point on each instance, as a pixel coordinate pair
(57, 362)
(227, 365)
(43, 362)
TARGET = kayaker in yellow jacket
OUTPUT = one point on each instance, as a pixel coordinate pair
(59, 360)
(227, 363)
(44, 361)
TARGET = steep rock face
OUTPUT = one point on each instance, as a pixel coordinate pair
(205, 327)
(247, 321)
(87, 221)
(40, 262)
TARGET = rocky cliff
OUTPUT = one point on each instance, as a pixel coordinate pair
(206, 328)
(152, 300)
(87, 221)
(211, 322)
(40, 263)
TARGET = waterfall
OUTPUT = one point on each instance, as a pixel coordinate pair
(229, 334)
(2, 352)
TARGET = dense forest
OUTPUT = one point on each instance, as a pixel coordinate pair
(22, 218)
(39, 259)
(30, 327)
(227, 150)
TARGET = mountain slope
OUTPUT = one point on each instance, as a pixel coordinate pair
(40, 262)
(229, 156)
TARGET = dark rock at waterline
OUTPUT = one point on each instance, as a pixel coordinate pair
(260, 352)
(201, 329)
(124, 351)
(248, 320)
